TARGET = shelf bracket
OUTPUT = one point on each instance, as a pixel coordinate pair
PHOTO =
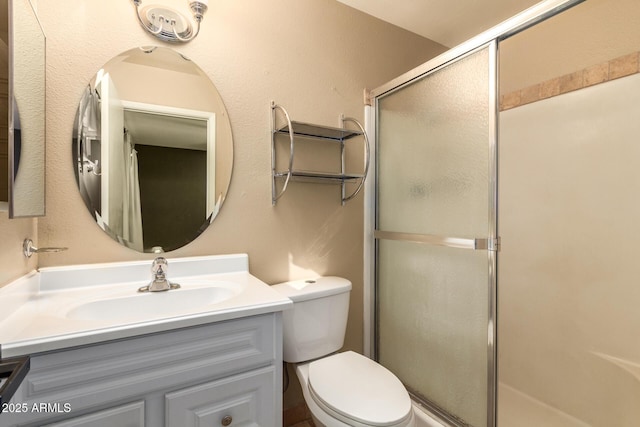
(367, 157)
(274, 194)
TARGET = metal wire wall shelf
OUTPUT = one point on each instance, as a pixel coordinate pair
(296, 130)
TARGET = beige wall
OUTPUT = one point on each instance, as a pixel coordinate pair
(12, 232)
(313, 56)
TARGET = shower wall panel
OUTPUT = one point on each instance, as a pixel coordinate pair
(568, 276)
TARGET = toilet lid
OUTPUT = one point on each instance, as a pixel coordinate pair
(359, 389)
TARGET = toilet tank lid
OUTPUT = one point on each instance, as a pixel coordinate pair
(306, 289)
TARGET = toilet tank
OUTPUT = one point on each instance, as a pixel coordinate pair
(316, 324)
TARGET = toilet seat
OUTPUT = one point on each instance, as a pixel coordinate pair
(358, 391)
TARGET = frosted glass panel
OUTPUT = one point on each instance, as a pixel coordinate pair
(432, 317)
(433, 152)
(433, 165)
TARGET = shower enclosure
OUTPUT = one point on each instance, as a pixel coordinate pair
(502, 219)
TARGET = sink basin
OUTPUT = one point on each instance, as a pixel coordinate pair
(62, 307)
(144, 306)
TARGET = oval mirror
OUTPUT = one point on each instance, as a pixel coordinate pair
(152, 149)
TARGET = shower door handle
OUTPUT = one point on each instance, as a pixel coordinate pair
(487, 244)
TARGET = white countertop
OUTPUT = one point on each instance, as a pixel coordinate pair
(35, 308)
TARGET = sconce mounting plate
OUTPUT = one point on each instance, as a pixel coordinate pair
(161, 21)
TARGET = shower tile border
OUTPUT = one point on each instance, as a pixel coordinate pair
(616, 68)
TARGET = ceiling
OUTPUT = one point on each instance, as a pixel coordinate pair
(448, 22)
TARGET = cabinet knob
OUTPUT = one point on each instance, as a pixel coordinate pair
(226, 421)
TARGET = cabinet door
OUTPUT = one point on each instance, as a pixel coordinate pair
(130, 415)
(241, 400)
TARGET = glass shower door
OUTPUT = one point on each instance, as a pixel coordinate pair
(436, 236)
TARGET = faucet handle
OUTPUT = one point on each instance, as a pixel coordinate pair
(159, 266)
(29, 249)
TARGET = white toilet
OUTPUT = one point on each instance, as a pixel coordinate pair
(340, 389)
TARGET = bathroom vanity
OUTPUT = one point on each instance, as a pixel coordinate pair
(218, 362)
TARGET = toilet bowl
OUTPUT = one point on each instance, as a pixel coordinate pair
(340, 389)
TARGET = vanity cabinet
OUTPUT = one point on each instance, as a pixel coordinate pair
(220, 374)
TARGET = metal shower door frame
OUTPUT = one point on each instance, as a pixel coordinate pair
(489, 39)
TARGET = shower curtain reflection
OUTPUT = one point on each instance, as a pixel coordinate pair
(132, 218)
(124, 197)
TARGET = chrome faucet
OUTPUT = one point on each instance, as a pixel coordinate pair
(159, 282)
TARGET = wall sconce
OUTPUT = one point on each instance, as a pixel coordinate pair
(170, 25)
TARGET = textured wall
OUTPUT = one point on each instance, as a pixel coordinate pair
(12, 232)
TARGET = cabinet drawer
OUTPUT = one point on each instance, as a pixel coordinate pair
(130, 415)
(242, 400)
(140, 365)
